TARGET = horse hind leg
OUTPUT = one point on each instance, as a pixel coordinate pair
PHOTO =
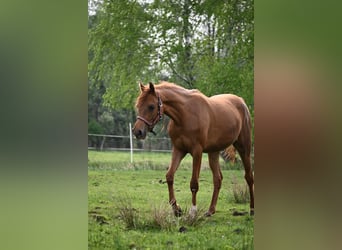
(244, 149)
(194, 185)
(217, 180)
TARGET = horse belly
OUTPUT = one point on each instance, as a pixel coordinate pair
(221, 135)
(217, 144)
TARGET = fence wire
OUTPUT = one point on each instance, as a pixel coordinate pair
(122, 143)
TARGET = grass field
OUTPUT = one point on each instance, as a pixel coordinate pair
(128, 206)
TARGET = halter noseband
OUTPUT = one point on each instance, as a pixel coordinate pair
(159, 116)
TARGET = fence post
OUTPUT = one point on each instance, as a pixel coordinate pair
(131, 141)
(102, 143)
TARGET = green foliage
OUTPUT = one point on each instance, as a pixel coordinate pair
(94, 127)
(119, 55)
(197, 44)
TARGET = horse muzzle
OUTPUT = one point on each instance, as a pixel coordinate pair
(139, 132)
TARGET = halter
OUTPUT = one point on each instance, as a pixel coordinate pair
(159, 116)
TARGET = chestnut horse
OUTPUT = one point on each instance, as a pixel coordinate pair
(198, 125)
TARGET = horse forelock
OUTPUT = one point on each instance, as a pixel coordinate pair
(142, 97)
(146, 92)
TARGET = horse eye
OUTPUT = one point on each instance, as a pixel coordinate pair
(151, 107)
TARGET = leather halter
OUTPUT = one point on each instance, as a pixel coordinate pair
(158, 117)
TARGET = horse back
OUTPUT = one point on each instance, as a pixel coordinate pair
(213, 122)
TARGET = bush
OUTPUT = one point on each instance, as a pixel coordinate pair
(94, 127)
(128, 214)
(240, 192)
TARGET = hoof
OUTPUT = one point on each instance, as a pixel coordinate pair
(251, 212)
(178, 211)
(208, 214)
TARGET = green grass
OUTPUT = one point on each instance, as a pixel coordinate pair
(145, 160)
(124, 201)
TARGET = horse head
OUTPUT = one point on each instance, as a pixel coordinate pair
(150, 111)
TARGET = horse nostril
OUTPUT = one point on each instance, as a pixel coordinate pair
(139, 133)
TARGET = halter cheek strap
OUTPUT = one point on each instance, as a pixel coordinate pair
(156, 119)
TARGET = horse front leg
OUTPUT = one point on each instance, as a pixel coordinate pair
(194, 187)
(177, 156)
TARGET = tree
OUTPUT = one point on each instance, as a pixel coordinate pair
(120, 56)
(203, 44)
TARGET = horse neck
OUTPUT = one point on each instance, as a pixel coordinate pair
(173, 102)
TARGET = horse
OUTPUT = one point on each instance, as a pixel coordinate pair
(198, 124)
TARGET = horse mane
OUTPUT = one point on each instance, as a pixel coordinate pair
(175, 87)
(172, 85)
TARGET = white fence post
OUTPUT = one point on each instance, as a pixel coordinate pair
(131, 141)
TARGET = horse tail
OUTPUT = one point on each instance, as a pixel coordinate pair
(247, 125)
(247, 115)
(229, 154)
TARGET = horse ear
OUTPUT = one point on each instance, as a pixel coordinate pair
(151, 87)
(142, 87)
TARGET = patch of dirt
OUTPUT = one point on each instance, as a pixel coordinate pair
(239, 213)
(101, 219)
